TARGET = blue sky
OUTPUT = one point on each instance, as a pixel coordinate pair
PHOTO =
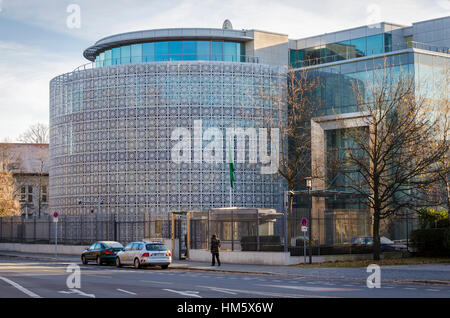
(36, 44)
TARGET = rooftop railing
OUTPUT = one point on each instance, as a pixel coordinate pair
(352, 53)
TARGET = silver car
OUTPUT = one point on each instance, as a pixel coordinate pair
(144, 253)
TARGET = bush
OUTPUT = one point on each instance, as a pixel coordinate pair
(431, 242)
(430, 219)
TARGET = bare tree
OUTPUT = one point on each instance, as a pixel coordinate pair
(35, 134)
(9, 203)
(290, 109)
(396, 151)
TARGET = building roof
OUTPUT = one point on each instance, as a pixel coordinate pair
(164, 35)
(23, 158)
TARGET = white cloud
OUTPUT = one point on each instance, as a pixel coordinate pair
(26, 70)
(24, 86)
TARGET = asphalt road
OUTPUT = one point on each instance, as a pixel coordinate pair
(39, 279)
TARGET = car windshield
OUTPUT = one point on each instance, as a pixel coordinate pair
(385, 240)
(114, 245)
(156, 247)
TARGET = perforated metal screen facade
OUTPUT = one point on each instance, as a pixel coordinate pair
(110, 136)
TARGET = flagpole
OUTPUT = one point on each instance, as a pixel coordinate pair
(230, 159)
(231, 202)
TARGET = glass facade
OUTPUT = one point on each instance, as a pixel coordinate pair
(336, 89)
(183, 50)
(332, 52)
(111, 136)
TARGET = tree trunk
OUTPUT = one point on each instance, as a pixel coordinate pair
(376, 235)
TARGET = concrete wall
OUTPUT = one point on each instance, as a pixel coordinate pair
(270, 48)
(43, 248)
(270, 258)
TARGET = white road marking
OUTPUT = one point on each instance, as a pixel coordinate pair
(155, 282)
(221, 290)
(77, 291)
(254, 292)
(435, 290)
(184, 293)
(21, 288)
(125, 291)
(308, 288)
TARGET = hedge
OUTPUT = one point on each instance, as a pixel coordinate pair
(431, 242)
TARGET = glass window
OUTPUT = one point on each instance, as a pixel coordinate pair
(136, 53)
(129, 247)
(148, 52)
(241, 51)
(375, 44)
(230, 50)
(161, 51)
(92, 247)
(359, 46)
(387, 42)
(108, 57)
(115, 245)
(203, 50)
(189, 50)
(217, 51)
(156, 247)
(115, 56)
(125, 54)
(175, 51)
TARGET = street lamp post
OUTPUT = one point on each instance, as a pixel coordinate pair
(309, 187)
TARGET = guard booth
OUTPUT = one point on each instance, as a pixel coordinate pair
(180, 234)
(193, 229)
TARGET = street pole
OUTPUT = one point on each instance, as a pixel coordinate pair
(56, 239)
(304, 247)
(310, 224)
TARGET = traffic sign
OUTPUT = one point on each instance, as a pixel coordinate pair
(304, 221)
(304, 229)
(55, 217)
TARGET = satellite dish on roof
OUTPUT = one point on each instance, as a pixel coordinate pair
(227, 25)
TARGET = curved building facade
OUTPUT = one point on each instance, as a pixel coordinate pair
(112, 125)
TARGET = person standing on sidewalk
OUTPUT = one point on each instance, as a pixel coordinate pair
(215, 246)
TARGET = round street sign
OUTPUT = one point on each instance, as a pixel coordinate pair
(55, 215)
(304, 221)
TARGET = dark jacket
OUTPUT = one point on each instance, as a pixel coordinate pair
(215, 245)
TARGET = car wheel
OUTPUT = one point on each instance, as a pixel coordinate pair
(84, 260)
(137, 265)
(118, 262)
(99, 260)
(164, 266)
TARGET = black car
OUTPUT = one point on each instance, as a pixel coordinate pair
(101, 252)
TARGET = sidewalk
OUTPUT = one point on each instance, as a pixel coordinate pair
(425, 273)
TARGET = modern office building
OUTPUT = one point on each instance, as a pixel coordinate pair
(361, 55)
(111, 120)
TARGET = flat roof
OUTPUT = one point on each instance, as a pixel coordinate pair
(163, 35)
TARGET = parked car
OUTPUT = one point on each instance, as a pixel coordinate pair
(101, 252)
(144, 253)
(385, 243)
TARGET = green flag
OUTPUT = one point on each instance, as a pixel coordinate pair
(230, 157)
